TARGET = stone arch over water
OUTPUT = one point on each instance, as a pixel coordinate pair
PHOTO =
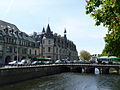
(78, 69)
(97, 71)
(113, 70)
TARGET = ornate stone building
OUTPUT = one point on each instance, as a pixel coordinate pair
(55, 46)
(17, 45)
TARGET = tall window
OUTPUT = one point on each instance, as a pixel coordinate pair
(19, 50)
(49, 49)
(15, 50)
(49, 41)
(30, 51)
(56, 50)
(9, 49)
(43, 49)
(35, 52)
(1, 48)
(1, 37)
(24, 50)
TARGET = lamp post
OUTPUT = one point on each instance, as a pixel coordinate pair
(41, 49)
(53, 52)
(17, 50)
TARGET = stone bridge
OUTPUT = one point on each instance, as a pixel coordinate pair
(12, 74)
(90, 68)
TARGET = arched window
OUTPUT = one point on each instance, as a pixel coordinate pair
(35, 52)
(30, 52)
(49, 49)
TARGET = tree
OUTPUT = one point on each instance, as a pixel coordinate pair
(85, 55)
(107, 12)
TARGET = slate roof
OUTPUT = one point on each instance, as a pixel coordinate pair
(11, 30)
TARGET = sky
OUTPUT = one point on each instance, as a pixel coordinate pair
(32, 15)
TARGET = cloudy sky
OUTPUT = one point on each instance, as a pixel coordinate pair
(32, 15)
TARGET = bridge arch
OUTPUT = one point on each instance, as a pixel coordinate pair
(114, 70)
(78, 69)
(89, 70)
(97, 70)
(66, 69)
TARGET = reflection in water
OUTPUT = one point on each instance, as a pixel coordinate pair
(97, 71)
(69, 81)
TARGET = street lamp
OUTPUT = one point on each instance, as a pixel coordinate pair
(17, 50)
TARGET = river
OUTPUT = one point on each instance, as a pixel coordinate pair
(69, 81)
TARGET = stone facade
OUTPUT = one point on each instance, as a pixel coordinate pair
(55, 46)
(17, 45)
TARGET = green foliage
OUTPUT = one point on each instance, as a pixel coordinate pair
(85, 55)
(108, 13)
(104, 53)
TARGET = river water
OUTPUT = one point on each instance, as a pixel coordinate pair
(69, 81)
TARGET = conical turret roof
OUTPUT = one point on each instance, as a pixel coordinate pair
(48, 29)
(43, 31)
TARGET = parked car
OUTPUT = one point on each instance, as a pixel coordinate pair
(13, 63)
(87, 62)
(36, 63)
(58, 61)
(68, 62)
(22, 62)
(47, 62)
(81, 61)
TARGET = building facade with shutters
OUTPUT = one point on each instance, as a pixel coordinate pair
(56, 46)
(17, 45)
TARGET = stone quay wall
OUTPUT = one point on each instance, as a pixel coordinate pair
(17, 74)
(13, 74)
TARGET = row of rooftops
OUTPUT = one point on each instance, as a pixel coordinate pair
(11, 30)
(58, 39)
(49, 34)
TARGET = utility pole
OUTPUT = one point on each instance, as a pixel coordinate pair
(17, 50)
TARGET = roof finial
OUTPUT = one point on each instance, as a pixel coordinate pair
(65, 31)
(48, 20)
